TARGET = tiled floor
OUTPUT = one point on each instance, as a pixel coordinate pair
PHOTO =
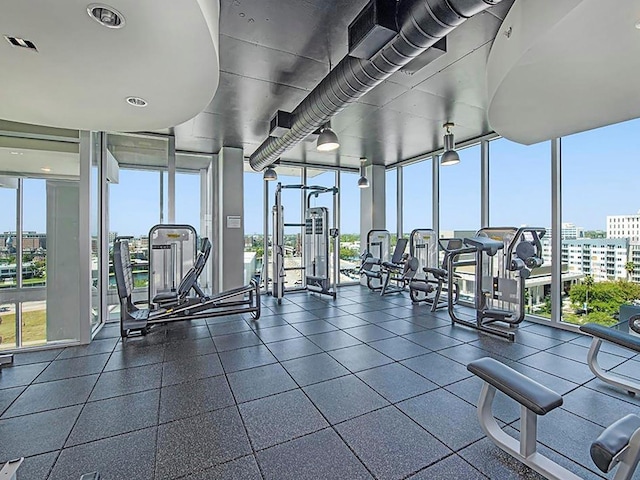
(359, 387)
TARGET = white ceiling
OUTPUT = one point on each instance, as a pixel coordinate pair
(567, 67)
(166, 53)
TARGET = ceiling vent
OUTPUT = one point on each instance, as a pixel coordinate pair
(21, 42)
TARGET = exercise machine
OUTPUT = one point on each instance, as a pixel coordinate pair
(617, 446)
(397, 272)
(180, 304)
(320, 261)
(502, 259)
(377, 251)
(430, 281)
(617, 335)
(6, 359)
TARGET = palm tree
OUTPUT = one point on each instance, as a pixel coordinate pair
(629, 267)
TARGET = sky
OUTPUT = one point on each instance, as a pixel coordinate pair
(599, 178)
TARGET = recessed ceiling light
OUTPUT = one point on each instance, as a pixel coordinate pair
(16, 153)
(45, 169)
(137, 101)
(105, 15)
(638, 24)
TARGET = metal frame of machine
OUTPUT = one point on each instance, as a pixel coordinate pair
(319, 275)
(503, 260)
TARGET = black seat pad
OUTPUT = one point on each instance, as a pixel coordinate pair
(612, 335)
(610, 442)
(436, 272)
(165, 297)
(531, 394)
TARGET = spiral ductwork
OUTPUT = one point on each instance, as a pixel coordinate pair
(421, 23)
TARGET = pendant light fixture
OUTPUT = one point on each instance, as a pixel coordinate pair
(270, 174)
(327, 140)
(363, 181)
(450, 156)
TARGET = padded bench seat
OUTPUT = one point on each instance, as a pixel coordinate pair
(612, 335)
(611, 442)
(531, 394)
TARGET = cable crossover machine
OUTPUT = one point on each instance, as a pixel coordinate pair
(319, 269)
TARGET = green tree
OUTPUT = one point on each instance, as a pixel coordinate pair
(347, 253)
(629, 267)
(605, 297)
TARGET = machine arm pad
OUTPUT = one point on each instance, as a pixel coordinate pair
(522, 389)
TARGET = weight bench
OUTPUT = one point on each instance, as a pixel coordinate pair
(619, 443)
(616, 337)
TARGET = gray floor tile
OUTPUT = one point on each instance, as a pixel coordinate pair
(398, 348)
(504, 408)
(36, 433)
(234, 341)
(28, 358)
(369, 333)
(74, 367)
(314, 369)
(556, 333)
(244, 358)
(245, 468)
(260, 382)
(299, 316)
(319, 455)
(267, 322)
(390, 444)
(496, 464)
(562, 367)
(531, 339)
(111, 457)
(464, 334)
(326, 312)
(451, 468)
(38, 466)
(333, 340)
(188, 348)
(466, 353)
(450, 419)
(579, 354)
(315, 326)
(347, 321)
(440, 370)
(7, 396)
(344, 398)
(294, 348)
(360, 357)
(432, 340)
(190, 333)
(115, 416)
(279, 418)
(95, 347)
(193, 398)
(276, 334)
(124, 382)
(598, 407)
(51, 395)
(557, 384)
(376, 316)
(197, 443)
(396, 382)
(19, 375)
(135, 357)
(189, 369)
(229, 327)
(401, 327)
(513, 351)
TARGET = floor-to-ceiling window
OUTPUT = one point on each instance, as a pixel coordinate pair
(600, 223)
(520, 195)
(460, 206)
(253, 224)
(417, 196)
(350, 248)
(39, 221)
(391, 204)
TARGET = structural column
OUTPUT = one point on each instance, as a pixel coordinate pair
(228, 221)
(372, 204)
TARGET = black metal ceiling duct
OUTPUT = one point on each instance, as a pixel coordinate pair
(421, 23)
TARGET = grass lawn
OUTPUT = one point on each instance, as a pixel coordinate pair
(34, 328)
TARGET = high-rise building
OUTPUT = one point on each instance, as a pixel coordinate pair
(601, 258)
(624, 226)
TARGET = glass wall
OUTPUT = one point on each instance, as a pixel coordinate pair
(520, 195)
(39, 243)
(350, 248)
(600, 223)
(253, 224)
(417, 196)
(460, 207)
(292, 201)
(391, 214)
